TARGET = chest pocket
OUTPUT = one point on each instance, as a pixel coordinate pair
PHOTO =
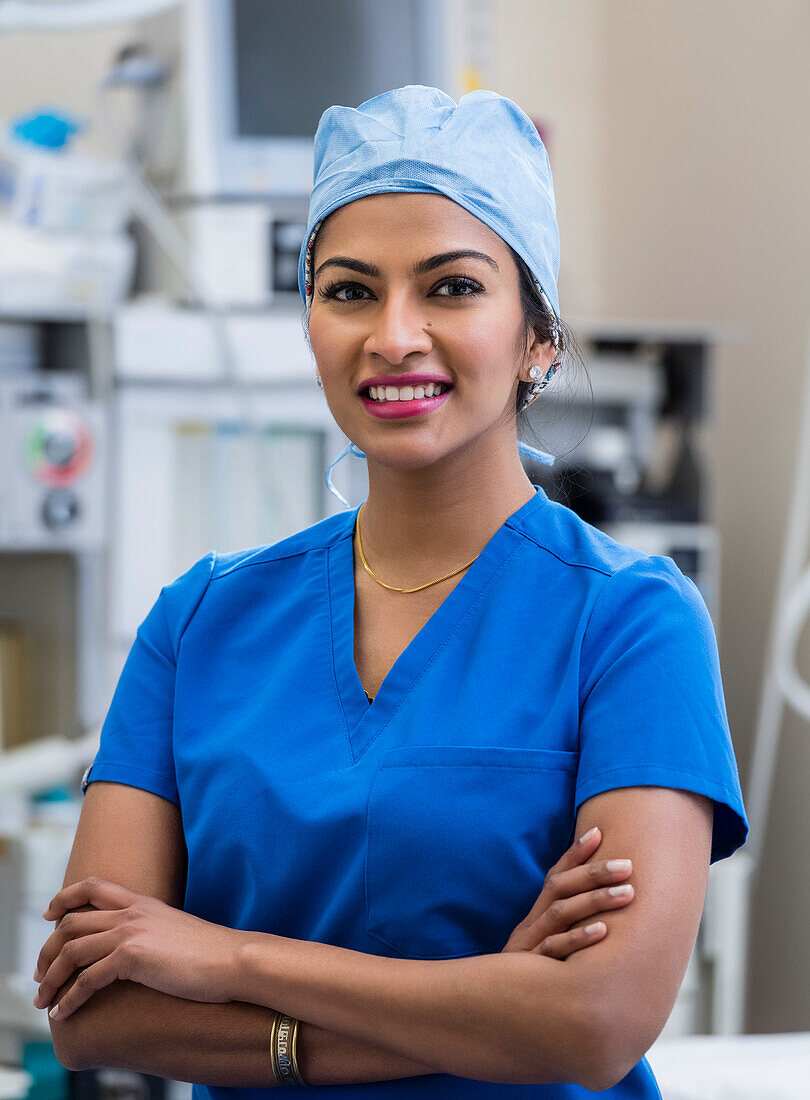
(459, 841)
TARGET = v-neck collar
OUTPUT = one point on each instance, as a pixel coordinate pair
(365, 721)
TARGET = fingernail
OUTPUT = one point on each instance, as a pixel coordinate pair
(591, 929)
(618, 865)
(36, 975)
(587, 836)
(620, 891)
(54, 1012)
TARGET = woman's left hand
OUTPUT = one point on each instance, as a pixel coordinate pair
(135, 938)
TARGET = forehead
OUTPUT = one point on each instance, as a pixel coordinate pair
(408, 219)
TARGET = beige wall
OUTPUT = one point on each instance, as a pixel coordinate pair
(549, 61)
(678, 141)
(682, 175)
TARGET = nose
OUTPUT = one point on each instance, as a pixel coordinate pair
(398, 329)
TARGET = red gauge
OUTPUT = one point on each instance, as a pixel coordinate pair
(59, 447)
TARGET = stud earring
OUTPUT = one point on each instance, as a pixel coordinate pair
(318, 381)
(536, 386)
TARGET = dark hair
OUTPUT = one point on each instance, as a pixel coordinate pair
(537, 324)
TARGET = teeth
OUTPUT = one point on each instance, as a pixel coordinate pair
(406, 393)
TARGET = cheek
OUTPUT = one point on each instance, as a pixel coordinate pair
(482, 359)
(330, 345)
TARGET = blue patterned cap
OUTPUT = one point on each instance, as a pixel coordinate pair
(483, 152)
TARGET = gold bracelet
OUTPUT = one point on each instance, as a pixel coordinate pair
(283, 1050)
(273, 1031)
(294, 1056)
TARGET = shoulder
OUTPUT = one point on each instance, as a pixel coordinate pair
(603, 571)
(230, 574)
(318, 536)
(558, 533)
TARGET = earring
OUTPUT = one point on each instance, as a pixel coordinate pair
(318, 381)
(536, 386)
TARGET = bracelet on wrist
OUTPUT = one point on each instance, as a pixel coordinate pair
(284, 1050)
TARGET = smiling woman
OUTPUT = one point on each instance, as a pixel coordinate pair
(330, 831)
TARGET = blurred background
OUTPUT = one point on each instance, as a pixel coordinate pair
(157, 397)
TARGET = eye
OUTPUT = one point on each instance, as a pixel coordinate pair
(332, 290)
(468, 284)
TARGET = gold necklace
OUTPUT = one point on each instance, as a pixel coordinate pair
(391, 586)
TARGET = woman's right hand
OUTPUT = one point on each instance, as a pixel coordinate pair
(573, 890)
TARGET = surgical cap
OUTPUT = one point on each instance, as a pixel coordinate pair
(483, 152)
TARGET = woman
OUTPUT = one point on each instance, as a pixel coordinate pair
(336, 769)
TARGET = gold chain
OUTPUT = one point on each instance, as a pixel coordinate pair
(391, 586)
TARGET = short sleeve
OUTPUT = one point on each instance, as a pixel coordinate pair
(652, 709)
(136, 737)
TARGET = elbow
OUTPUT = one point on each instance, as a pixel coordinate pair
(69, 1045)
(593, 1063)
(584, 1054)
(616, 1043)
(71, 1037)
(66, 1053)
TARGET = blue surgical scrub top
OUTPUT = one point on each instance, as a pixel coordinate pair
(420, 825)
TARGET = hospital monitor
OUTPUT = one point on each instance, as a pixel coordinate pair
(259, 74)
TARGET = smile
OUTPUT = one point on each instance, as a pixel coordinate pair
(392, 403)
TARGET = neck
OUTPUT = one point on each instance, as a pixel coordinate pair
(417, 524)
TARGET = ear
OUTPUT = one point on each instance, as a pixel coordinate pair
(541, 353)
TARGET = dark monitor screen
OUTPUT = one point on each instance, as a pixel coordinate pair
(294, 59)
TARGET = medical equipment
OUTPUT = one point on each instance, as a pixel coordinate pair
(247, 135)
(52, 189)
(65, 276)
(37, 828)
(247, 164)
(52, 449)
(64, 251)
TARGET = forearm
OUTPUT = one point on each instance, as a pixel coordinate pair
(513, 1017)
(130, 1026)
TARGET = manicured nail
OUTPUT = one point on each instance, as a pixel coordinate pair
(592, 929)
(54, 1012)
(587, 836)
(621, 891)
(619, 865)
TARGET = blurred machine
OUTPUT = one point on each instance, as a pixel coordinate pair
(242, 187)
(52, 458)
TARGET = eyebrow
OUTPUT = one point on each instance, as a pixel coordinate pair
(421, 267)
